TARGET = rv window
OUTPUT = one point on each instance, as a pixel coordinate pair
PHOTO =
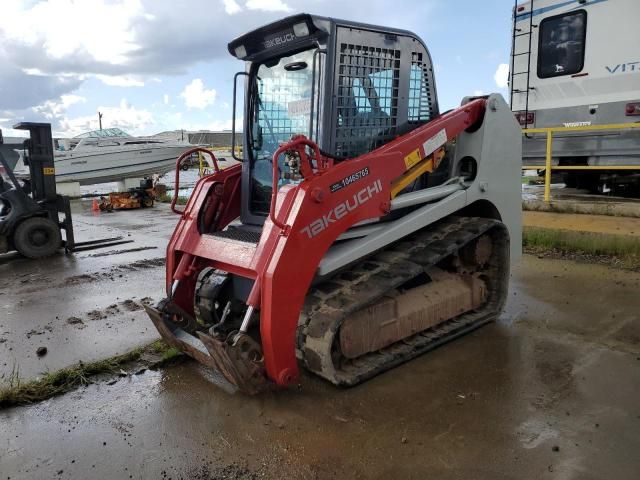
(561, 46)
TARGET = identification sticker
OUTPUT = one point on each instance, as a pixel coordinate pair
(435, 142)
(346, 181)
(49, 171)
(299, 108)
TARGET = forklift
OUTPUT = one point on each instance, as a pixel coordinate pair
(30, 212)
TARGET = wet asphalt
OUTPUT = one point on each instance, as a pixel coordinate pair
(87, 305)
(550, 390)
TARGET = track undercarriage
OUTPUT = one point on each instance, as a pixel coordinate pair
(414, 295)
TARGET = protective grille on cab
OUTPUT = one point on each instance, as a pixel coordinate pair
(420, 102)
(368, 81)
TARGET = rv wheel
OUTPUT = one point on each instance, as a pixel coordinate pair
(37, 237)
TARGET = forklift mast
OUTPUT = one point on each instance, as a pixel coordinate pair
(40, 161)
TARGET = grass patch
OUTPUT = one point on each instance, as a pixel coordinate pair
(165, 351)
(588, 243)
(16, 392)
(170, 354)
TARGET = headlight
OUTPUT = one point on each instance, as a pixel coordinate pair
(240, 51)
(301, 30)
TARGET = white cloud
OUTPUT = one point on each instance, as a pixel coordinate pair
(268, 5)
(231, 7)
(102, 30)
(124, 116)
(121, 80)
(195, 95)
(478, 93)
(53, 109)
(502, 75)
(50, 48)
(165, 99)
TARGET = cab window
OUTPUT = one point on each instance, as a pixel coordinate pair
(561, 44)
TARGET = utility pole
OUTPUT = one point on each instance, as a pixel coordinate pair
(100, 119)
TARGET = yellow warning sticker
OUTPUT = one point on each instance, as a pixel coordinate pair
(49, 171)
(413, 158)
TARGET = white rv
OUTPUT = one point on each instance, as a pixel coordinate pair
(574, 63)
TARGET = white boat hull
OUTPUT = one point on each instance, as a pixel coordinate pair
(89, 168)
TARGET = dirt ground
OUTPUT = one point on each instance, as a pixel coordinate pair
(583, 223)
(549, 391)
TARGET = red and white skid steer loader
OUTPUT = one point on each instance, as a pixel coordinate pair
(362, 228)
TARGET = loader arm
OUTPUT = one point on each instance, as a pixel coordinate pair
(309, 218)
(316, 218)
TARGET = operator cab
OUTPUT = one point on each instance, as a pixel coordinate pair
(349, 87)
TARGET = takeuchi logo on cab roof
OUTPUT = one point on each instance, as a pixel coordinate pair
(279, 40)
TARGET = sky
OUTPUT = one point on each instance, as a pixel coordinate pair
(155, 65)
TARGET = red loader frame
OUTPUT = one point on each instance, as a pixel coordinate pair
(304, 221)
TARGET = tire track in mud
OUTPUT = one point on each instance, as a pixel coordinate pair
(126, 306)
(120, 252)
(34, 285)
(80, 322)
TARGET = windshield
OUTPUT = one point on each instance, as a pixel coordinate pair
(280, 107)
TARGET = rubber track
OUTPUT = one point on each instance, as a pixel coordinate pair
(329, 303)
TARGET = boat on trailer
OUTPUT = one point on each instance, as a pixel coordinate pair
(111, 154)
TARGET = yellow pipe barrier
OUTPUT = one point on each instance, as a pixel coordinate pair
(203, 166)
(586, 167)
(549, 131)
(547, 173)
(583, 128)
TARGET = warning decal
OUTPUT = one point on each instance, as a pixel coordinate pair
(413, 158)
(435, 142)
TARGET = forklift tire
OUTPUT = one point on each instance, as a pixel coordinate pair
(37, 237)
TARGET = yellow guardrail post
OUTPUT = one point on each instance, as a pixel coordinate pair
(547, 172)
(199, 164)
(549, 131)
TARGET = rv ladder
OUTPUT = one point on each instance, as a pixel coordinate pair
(516, 33)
